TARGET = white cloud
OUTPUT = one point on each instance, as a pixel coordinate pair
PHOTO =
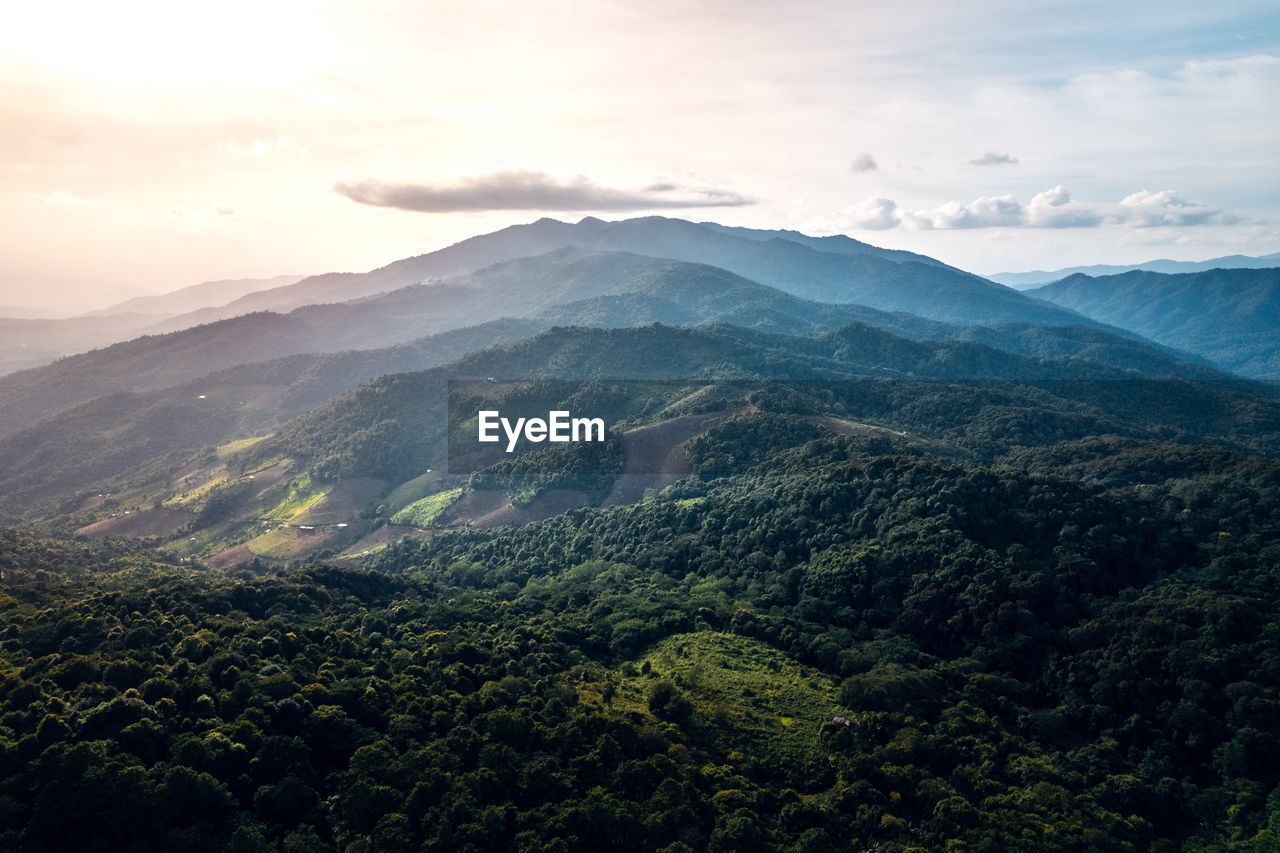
(1166, 207)
(984, 212)
(1052, 208)
(864, 162)
(874, 214)
(217, 210)
(1055, 209)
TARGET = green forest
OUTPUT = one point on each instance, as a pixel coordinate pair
(814, 642)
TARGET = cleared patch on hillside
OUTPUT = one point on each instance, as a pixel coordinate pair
(425, 512)
(237, 556)
(139, 524)
(418, 488)
(486, 509)
(655, 457)
(344, 502)
(779, 704)
(381, 538)
(291, 543)
(299, 497)
(231, 448)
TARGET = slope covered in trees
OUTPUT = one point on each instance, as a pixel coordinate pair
(1229, 316)
(841, 644)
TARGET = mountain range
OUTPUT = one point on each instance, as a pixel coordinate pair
(686, 273)
(30, 340)
(303, 373)
(872, 553)
(1229, 316)
(1034, 278)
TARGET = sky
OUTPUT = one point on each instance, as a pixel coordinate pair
(147, 145)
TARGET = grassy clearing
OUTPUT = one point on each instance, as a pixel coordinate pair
(744, 684)
(302, 494)
(193, 497)
(231, 448)
(416, 489)
(424, 512)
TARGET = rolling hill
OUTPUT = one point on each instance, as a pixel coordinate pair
(1229, 317)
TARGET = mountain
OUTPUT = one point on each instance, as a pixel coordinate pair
(204, 295)
(31, 341)
(27, 343)
(1027, 280)
(392, 427)
(466, 256)
(835, 243)
(1230, 317)
(829, 269)
(85, 446)
(853, 274)
(26, 312)
(839, 577)
(568, 286)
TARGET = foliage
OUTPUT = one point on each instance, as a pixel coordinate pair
(424, 512)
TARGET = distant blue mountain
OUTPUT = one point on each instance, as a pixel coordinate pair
(1230, 317)
(1035, 278)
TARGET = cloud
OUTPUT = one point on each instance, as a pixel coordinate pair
(1052, 208)
(263, 147)
(1148, 209)
(864, 162)
(217, 210)
(985, 212)
(1055, 209)
(991, 158)
(875, 214)
(527, 189)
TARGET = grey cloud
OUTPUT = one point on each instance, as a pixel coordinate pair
(991, 158)
(864, 162)
(527, 189)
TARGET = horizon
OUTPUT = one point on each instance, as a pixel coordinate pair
(153, 148)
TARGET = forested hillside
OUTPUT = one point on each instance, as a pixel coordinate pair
(1229, 316)
(842, 645)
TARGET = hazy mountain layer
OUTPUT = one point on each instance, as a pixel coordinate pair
(829, 269)
(83, 447)
(567, 286)
(27, 343)
(1230, 317)
(204, 295)
(1034, 278)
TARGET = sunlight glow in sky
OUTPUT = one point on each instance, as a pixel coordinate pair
(152, 145)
